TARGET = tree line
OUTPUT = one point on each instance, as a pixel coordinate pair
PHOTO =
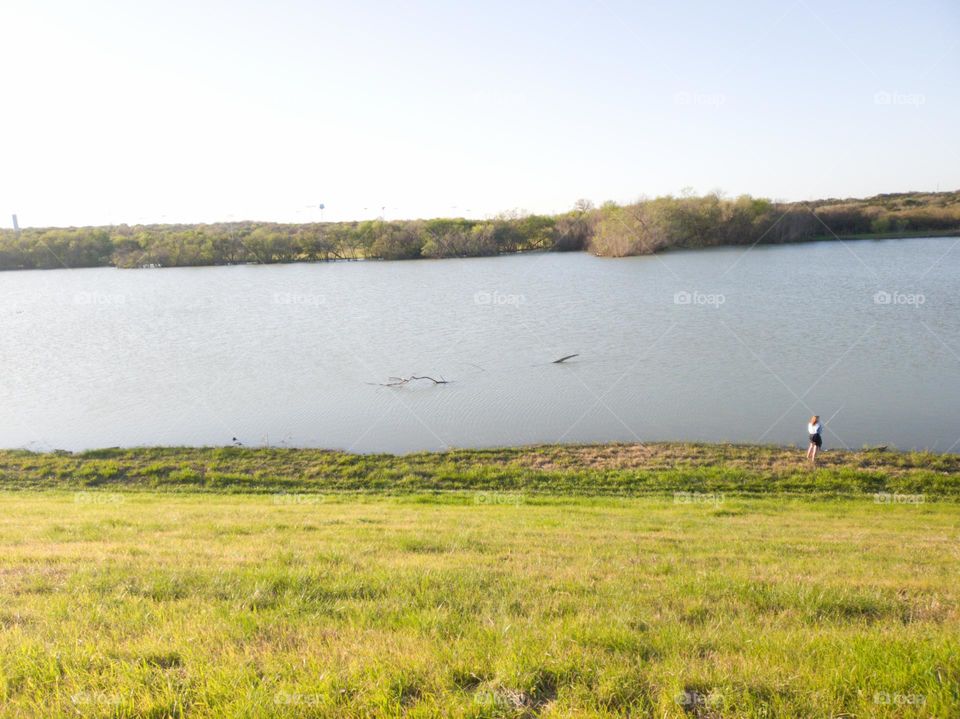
(611, 230)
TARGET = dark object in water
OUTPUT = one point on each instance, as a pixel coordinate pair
(564, 359)
(399, 381)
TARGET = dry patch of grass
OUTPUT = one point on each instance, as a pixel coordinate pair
(659, 456)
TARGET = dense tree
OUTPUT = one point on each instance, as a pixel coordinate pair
(396, 240)
(615, 230)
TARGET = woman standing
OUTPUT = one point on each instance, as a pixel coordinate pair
(813, 429)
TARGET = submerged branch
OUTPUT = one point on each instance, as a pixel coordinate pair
(399, 381)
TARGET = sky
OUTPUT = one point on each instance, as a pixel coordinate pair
(137, 112)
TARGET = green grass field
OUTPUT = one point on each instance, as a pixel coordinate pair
(120, 599)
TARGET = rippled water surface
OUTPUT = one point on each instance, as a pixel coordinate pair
(722, 344)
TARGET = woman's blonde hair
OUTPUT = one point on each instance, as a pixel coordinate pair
(813, 420)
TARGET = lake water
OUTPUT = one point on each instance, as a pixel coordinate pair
(722, 344)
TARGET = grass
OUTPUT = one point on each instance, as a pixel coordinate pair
(619, 469)
(132, 586)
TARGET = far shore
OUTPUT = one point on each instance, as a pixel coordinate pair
(933, 234)
(645, 227)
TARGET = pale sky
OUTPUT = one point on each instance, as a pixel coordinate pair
(200, 111)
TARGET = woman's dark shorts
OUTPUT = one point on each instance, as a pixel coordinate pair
(816, 439)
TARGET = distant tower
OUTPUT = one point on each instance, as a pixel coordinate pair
(16, 227)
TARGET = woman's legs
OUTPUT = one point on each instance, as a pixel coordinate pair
(813, 454)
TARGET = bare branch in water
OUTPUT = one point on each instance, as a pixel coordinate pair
(399, 381)
(564, 359)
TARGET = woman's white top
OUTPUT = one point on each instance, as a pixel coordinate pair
(814, 428)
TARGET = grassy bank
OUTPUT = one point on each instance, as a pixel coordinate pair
(162, 605)
(622, 470)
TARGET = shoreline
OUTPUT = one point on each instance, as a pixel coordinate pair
(621, 470)
(910, 235)
(645, 227)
